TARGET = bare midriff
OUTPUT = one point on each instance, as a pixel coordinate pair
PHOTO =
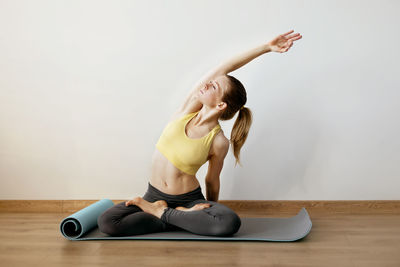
(169, 179)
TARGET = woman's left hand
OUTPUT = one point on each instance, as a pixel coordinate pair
(283, 42)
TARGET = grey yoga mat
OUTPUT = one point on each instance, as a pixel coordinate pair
(82, 225)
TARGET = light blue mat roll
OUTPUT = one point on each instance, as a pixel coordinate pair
(81, 222)
(82, 225)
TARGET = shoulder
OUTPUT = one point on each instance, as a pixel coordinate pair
(220, 145)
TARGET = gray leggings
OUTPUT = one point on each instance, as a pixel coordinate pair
(217, 220)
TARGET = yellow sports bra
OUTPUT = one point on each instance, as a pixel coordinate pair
(187, 154)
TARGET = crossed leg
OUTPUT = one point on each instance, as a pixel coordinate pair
(209, 218)
(121, 220)
(199, 217)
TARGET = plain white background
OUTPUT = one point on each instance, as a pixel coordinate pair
(86, 88)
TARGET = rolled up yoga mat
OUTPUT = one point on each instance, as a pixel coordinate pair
(82, 225)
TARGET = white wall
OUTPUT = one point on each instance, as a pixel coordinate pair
(86, 88)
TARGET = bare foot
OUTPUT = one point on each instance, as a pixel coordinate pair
(199, 206)
(132, 201)
(156, 208)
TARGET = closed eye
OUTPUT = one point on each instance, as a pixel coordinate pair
(213, 85)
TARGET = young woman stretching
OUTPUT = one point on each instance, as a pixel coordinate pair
(174, 200)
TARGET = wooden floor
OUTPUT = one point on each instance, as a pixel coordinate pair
(33, 239)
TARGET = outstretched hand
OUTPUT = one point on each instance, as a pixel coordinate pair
(283, 42)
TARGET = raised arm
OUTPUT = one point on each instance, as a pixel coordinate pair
(242, 59)
(279, 44)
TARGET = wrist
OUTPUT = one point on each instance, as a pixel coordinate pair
(267, 48)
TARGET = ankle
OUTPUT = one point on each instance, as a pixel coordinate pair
(160, 212)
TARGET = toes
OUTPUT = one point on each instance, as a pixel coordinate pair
(202, 206)
(134, 201)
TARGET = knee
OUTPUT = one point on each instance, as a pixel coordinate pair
(228, 225)
(106, 225)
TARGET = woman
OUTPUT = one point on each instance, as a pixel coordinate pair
(174, 200)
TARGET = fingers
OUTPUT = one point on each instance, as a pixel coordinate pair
(295, 37)
(292, 37)
(287, 33)
(289, 42)
(129, 203)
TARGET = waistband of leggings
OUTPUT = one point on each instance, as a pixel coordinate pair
(195, 192)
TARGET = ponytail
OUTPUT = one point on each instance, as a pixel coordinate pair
(235, 98)
(240, 131)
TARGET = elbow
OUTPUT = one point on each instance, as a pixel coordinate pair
(213, 184)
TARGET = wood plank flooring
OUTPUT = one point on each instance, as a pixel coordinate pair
(34, 239)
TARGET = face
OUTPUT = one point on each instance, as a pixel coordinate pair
(212, 92)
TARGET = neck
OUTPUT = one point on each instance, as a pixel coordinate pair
(206, 117)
